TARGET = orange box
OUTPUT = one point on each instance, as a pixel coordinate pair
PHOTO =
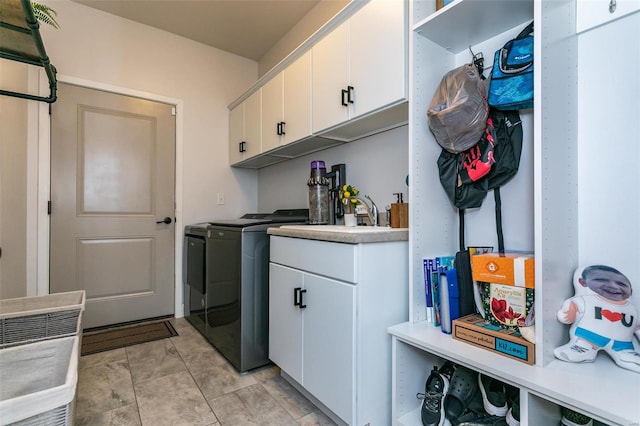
(515, 269)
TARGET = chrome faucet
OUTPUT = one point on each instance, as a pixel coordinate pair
(372, 212)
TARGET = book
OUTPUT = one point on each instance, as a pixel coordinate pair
(426, 265)
(439, 264)
(450, 299)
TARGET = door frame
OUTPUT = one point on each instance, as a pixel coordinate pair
(44, 179)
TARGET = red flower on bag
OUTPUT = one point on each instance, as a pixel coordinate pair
(502, 313)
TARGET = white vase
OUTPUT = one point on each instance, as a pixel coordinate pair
(350, 219)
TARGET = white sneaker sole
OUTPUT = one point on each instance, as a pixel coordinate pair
(488, 406)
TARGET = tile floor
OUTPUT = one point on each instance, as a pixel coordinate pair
(183, 380)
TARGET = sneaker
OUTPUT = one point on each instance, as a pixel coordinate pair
(513, 401)
(628, 359)
(432, 409)
(494, 397)
(447, 370)
(576, 352)
(573, 418)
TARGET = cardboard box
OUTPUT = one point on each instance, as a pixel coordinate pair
(505, 305)
(509, 268)
(473, 329)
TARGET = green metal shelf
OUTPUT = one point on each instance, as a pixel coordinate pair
(20, 41)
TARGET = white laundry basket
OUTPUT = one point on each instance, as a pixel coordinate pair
(30, 319)
(39, 382)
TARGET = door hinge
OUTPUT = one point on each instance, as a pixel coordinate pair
(173, 110)
(49, 109)
(48, 207)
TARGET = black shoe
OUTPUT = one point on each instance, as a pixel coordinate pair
(494, 396)
(463, 391)
(513, 401)
(432, 409)
(447, 370)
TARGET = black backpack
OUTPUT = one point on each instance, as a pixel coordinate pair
(500, 147)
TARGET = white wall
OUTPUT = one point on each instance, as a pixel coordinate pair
(377, 166)
(13, 181)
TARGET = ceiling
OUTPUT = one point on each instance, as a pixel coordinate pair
(247, 28)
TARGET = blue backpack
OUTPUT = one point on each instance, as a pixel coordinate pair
(511, 86)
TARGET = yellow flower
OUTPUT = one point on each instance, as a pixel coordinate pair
(346, 194)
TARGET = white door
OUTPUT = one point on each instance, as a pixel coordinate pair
(329, 343)
(272, 113)
(285, 320)
(377, 58)
(330, 76)
(297, 99)
(253, 125)
(112, 189)
(236, 134)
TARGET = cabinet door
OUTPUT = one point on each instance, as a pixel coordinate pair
(236, 133)
(285, 320)
(297, 99)
(272, 112)
(253, 125)
(329, 344)
(330, 75)
(378, 49)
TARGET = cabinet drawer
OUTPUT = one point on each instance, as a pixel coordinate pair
(335, 260)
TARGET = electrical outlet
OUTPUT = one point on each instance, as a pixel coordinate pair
(220, 198)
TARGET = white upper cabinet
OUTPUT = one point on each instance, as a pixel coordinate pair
(331, 79)
(378, 56)
(360, 66)
(297, 99)
(272, 113)
(346, 82)
(236, 134)
(245, 129)
(286, 105)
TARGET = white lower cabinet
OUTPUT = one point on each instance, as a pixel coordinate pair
(329, 308)
(321, 332)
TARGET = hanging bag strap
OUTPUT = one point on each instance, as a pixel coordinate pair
(461, 232)
(496, 196)
(526, 31)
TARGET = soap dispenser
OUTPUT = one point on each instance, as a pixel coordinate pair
(399, 212)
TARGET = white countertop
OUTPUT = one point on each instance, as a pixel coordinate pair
(341, 233)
